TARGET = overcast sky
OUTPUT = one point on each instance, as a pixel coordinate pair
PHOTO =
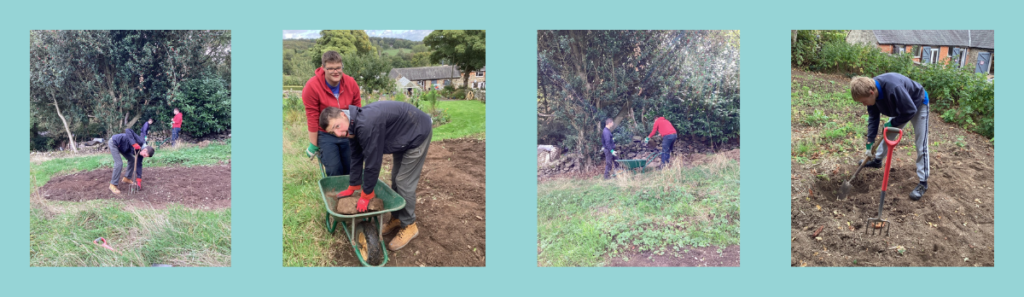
(414, 35)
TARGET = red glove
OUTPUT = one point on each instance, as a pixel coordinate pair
(348, 192)
(138, 181)
(364, 200)
(136, 146)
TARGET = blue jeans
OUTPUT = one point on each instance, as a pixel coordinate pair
(335, 154)
(174, 135)
(667, 142)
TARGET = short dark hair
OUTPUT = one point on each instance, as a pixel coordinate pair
(330, 57)
(608, 121)
(328, 114)
(150, 150)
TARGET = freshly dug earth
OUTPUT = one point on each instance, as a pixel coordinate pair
(196, 187)
(697, 257)
(952, 225)
(347, 205)
(450, 208)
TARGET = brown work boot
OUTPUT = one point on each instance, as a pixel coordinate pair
(114, 189)
(125, 180)
(392, 225)
(404, 236)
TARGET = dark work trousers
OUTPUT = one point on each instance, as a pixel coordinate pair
(405, 175)
(609, 163)
(335, 153)
(666, 148)
(116, 177)
(174, 135)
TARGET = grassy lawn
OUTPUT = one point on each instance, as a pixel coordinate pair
(581, 222)
(306, 241)
(467, 120)
(62, 232)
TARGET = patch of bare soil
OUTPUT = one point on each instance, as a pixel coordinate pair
(450, 210)
(204, 187)
(952, 225)
(696, 257)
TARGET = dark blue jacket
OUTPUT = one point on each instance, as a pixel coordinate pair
(898, 98)
(384, 127)
(606, 140)
(145, 129)
(124, 141)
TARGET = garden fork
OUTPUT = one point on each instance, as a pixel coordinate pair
(878, 223)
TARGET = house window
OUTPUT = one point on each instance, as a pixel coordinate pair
(479, 74)
(916, 50)
(933, 56)
(447, 82)
(433, 82)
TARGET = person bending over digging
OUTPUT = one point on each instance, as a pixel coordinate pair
(903, 100)
(329, 87)
(385, 127)
(668, 138)
(127, 144)
(608, 146)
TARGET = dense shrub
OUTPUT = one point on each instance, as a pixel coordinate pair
(206, 103)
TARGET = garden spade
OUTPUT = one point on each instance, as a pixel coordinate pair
(845, 189)
(878, 222)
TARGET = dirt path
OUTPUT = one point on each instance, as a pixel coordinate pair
(450, 210)
(697, 257)
(953, 225)
(205, 187)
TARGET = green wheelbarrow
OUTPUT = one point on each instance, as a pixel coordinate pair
(637, 165)
(364, 230)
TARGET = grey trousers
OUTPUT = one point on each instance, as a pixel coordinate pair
(405, 175)
(116, 178)
(920, 122)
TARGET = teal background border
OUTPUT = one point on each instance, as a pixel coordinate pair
(511, 209)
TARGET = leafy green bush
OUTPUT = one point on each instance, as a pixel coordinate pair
(206, 103)
(460, 94)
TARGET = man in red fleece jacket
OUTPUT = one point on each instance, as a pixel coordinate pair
(175, 126)
(330, 87)
(668, 137)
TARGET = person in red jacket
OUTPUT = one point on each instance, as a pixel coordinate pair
(668, 137)
(330, 87)
(175, 127)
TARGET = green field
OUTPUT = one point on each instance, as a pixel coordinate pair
(306, 241)
(61, 233)
(583, 222)
(396, 51)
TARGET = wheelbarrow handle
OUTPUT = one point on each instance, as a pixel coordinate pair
(895, 130)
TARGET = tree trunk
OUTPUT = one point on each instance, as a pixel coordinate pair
(792, 37)
(74, 147)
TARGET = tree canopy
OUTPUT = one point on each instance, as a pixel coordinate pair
(96, 83)
(466, 49)
(345, 42)
(689, 77)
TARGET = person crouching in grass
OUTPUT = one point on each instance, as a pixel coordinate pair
(904, 101)
(127, 144)
(385, 127)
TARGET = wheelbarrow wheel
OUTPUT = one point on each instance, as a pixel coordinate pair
(369, 243)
